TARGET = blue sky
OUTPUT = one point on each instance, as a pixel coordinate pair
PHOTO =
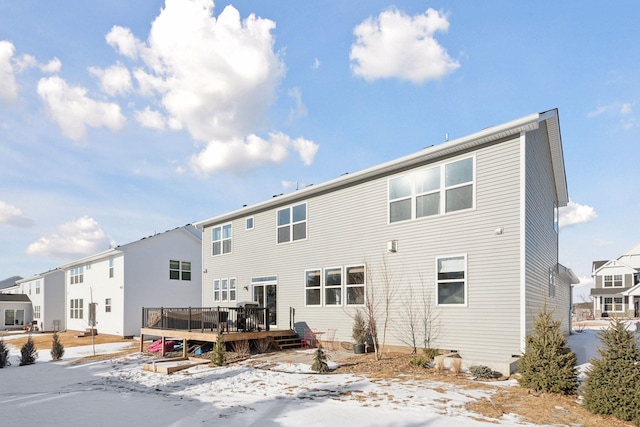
(121, 119)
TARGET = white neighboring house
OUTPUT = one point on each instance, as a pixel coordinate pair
(15, 311)
(46, 292)
(163, 270)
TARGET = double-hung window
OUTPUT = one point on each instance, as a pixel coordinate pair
(110, 267)
(432, 191)
(355, 285)
(333, 286)
(76, 308)
(76, 275)
(451, 279)
(613, 280)
(222, 239)
(312, 287)
(292, 223)
(107, 305)
(224, 290)
(216, 290)
(613, 304)
(37, 287)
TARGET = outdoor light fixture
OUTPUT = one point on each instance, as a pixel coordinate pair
(499, 231)
(392, 246)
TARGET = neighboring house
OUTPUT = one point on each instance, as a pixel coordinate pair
(163, 270)
(15, 311)
(583, 311)
(465, 231)
(46, 292)
(617, 288)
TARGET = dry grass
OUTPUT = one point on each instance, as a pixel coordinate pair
(67, 338)
(546, 409)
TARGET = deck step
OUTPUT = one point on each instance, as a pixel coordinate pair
(287, 342)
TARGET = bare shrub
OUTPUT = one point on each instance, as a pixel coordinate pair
(241, 347)
(439, 363)
(263, 345)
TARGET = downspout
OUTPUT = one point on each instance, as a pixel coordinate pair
(202, 269)
(523, 246)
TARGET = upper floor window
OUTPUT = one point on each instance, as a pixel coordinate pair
(451, 288)
(179, 270)
(222, 239)
(249, 223)
(613, 280)
(433, 191)
(111, 267)
(76, 275)
(292, 223)
(37, 287)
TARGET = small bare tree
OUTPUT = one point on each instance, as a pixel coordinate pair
(380, 297)
(419, 324)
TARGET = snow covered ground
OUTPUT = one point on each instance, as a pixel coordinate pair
(119, 392)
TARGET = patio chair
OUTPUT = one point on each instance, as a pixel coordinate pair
(328, 340)
(309, 340)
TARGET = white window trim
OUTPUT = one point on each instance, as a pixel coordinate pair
(320, 288)
(324, 287)
(218, 291)
(466, 280)
(292, 223)
(246, 223)
(222, 239)
(613, 305)
(347, 285)
(441, 191)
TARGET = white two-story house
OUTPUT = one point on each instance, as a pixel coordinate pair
(466, 230)
(46, 292)
(110, 288)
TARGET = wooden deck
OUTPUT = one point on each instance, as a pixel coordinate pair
(283, 338)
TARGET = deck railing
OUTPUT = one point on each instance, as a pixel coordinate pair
(206, 319)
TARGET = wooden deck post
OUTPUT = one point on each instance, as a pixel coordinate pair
(184, 348)
(141, 342)
(163, 342)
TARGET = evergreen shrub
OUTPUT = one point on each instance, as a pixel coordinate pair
(548, 365)
(28, 353)
(612, 386)
(57, 349)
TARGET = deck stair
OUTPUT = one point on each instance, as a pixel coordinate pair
(287, 342)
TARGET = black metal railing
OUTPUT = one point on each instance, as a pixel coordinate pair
(206, 319)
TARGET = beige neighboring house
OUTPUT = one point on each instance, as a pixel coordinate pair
(617, 286)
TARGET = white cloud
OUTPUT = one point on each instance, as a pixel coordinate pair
(215, 77)
(73, 110)
(8, 87)
(239, 155)
(575, 213)
(76, 238)
(623, 112)
(150, 119)
(299, 109)
(115, 80)
(11, 215)
(53, 66)
(316, 64)
(306, 149)
(397, 45)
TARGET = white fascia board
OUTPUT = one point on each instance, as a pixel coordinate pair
(91, 258)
